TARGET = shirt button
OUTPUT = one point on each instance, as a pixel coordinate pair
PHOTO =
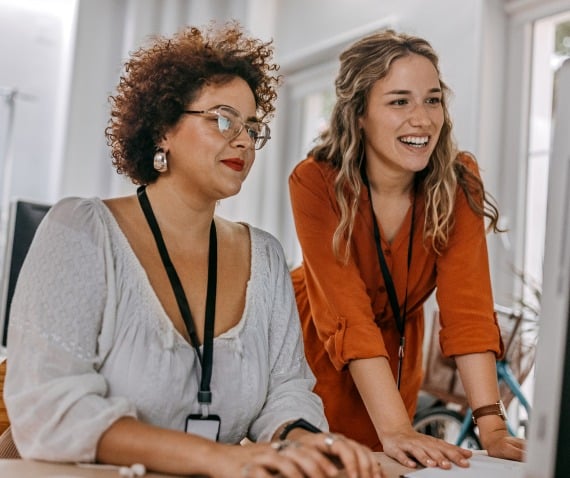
(387, 252)
(381, 289)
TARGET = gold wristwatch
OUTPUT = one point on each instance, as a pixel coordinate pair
(495, 409)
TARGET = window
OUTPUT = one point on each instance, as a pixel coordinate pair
(310, 99)
(539, 40)
(550, 46)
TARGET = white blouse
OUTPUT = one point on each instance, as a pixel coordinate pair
(89, 342)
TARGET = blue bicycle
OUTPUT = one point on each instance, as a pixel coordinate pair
(439, 420)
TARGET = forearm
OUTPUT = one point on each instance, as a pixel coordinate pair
(129, 441)
(478, 374)
(375, 383)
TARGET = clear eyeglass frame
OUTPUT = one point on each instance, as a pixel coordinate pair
(231, 124)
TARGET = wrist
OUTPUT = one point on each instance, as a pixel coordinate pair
(207, 458)
(294, 428)
(297, 434)
(491, 429)
(494, 409)
(393, 429)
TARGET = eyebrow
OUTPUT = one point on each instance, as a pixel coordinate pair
(408, 92)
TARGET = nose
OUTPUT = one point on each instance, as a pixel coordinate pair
(420, 116)
(243, 140)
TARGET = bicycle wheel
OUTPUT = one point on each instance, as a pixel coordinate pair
(441, 422)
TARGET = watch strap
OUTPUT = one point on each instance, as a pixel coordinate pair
(495, 409)
(300, 423)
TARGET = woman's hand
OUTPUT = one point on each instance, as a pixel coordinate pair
(357, 460)
(500, 444)
(308, 455)
(410, 447)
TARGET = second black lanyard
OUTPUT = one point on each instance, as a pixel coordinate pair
(399, 317)
(205, 359)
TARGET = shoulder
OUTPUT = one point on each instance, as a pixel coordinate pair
(312, 183)
(264, 240)
(467, 160)
(266, 249)
(85, 216)
(72, 209)
(310, 168)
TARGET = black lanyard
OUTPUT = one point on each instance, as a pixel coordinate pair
(206, 361)
(390, 289)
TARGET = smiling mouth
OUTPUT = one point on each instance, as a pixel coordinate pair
(415, 141)
(234, 163)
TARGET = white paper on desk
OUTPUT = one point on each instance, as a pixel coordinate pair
(480, 466)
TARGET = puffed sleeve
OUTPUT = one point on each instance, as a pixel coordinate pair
(464, 293)
(340, 304)
(61, 323)
(291, 381)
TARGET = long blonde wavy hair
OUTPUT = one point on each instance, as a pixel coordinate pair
(342, 144)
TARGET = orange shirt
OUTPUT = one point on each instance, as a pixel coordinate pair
(344, 308)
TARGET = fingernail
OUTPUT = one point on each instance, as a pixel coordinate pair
(463, 461)
(430, 462)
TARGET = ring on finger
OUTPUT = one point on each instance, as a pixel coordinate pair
(329, 441)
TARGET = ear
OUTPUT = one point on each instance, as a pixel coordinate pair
(163, 144)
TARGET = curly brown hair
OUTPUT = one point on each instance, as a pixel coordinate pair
(160, 80)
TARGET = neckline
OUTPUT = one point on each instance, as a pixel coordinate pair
(401, 236)
(134, 261)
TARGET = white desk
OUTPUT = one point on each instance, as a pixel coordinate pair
(37, 469)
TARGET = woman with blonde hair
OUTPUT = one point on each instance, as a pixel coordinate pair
(387, 210)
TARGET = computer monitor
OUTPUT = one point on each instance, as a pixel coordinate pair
(549, 434)
(24, 218)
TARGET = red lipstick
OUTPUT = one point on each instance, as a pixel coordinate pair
(234, 163)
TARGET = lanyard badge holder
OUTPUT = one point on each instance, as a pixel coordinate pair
(203, 424)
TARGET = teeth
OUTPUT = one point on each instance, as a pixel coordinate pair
(415, 140)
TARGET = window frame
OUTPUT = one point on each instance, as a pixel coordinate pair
(512, 196)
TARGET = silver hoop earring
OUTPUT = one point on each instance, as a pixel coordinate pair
(160, 162)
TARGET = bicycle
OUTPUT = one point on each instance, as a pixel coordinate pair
(440, 421)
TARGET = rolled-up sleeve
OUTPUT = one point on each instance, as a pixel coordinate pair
(60, 330)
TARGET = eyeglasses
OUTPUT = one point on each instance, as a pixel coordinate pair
(231, 124)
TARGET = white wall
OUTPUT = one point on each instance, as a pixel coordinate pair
(96, 66)
(35, 59)
(35, 65)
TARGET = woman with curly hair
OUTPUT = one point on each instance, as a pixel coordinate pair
(146, 329)
(387, 211)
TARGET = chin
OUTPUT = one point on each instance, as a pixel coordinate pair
(417, 166)
(232, 191)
